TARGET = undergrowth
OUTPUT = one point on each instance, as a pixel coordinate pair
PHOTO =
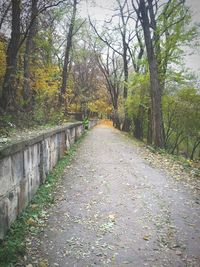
(190, 166)
(13, 246)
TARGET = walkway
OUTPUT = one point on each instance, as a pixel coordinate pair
(115, 210)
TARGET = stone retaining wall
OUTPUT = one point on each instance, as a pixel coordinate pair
(25, 164)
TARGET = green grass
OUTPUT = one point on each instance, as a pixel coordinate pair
(32, 218)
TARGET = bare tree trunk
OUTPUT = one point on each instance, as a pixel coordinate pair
(116, 122)
(138, 121)
(177, 141)
(149, 131)
(138, 124)
(28, 50)
(11, 59)
(113, 84)
(126, 124)
(138, 128)
(65, 72)
(155, 88)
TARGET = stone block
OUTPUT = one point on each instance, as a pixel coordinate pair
(46, 156)
(8, 210)
(67, 139)
(62, 144)
(33, 182)
(3, 217)
(72, 136)
(79, 130)
(23, 195)
(12, 202)
(42, 162)
(28, 162)
(6, 181)
(53, 151)
(17, 165)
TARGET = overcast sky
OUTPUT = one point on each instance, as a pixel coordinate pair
(103, 9)
(193, 61)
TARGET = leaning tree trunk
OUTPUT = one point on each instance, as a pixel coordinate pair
(11, 57)
(155, 88)
(196, 144)
(28, 51)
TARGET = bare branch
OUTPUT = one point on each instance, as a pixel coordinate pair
(44, 8)
(5, 14)
(104, 40)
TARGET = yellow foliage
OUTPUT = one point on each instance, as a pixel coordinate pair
(74, 107)
(100, 105)
(2, 60)
(46, 80)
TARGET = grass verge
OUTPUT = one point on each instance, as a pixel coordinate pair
(13, 246)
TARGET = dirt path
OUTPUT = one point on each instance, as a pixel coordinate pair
(116, 210)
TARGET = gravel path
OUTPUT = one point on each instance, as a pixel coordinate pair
(116, 210)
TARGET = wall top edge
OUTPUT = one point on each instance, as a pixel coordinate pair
(19, 145)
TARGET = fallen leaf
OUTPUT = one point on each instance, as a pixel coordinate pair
(31, 222)
(34, 206)
(146, 238)
(43, 263)
(112, 217)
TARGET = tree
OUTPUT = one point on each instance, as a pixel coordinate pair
(140, 70)
(29, 50)
(65, 71)
(138, 104)
(17, 39)
(113, 72)
(88, 81)
(125, 34)
(164, 29)
(146, 14)
(12, 53)
(172, 33)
